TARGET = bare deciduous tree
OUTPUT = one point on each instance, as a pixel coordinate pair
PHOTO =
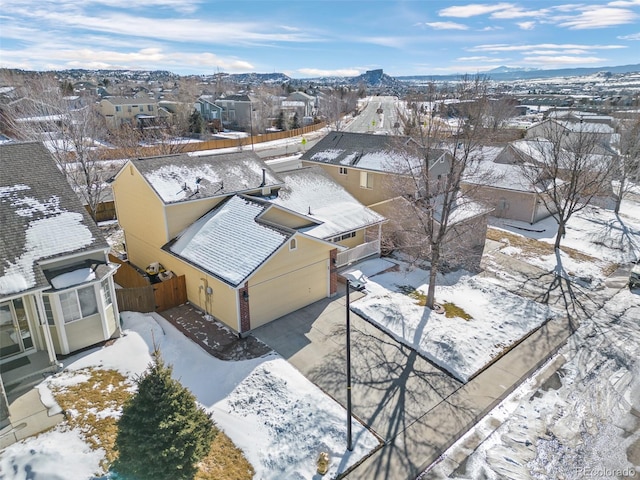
(627, 171)
(572, 166)
(432, 212)
(73, 131)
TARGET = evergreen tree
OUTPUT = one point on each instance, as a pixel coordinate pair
(280, 123)
(295, 122)
(162, 433)
(196, 122)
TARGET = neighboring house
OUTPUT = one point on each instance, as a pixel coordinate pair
(499, 182)
(377, 171)
(57, 293)
(138, 112)
(369, 166)
(336, 215)
(534, 152)
(302, 104)
(248, 254)
(572, 132)
(208, 109)
(579, 116)
(237, 111)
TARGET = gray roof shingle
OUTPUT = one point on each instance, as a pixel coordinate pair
(179, 178)
(41, 217)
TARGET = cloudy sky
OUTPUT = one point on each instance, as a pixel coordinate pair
(307, 38)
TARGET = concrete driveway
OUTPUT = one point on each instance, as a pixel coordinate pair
(416, 409)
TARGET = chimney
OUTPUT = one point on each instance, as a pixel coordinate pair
(264, 177)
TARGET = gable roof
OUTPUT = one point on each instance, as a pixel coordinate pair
(312, 192)
(230, 242)
(129, 100)
(383, 153)
(41, 217)
(180, 178)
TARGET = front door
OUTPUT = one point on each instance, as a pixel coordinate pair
(15, 336)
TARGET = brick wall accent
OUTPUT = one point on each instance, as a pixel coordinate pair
(333, 280)
(245, 316)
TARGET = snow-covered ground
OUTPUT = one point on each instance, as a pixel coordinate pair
(461, 347)
(278, 419)
(594, 231)
(584, 421)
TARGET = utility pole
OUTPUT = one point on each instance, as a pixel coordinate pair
(349, 440)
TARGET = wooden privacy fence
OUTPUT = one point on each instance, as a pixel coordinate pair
(138, 294)
(111, 154)
(157, 297)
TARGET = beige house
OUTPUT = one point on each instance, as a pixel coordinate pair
(249, 255)
(377, 171)
(57, 293)
(138, 112)
(570, 133)
(499, 182)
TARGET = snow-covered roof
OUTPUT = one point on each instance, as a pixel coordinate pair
(230, 242)
(179, 178)
(384, 153)
(41, 217)
(333, 209)
(463, 208)
(501, 175)
(129, 100)
(586, 127)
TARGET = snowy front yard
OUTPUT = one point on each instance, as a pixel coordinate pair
(277, 418)
(461, 347)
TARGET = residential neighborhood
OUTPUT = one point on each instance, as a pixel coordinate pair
(353, 283)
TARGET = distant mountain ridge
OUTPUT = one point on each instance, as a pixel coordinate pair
(375, 79)
(527, 74)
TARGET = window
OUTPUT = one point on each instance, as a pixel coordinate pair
(348, 235)
(129, 109)
(118, 108)
(150, 108)
(293, 244)
(142, 108)
(366, 180)
(106, 292)
(78, 304)
(48, 310)
(343, 170)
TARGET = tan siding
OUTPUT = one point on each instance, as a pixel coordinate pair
(287, 293)
(287, 219)
(382, 183)
(222, 304)
(140, 211)
(290, 280)
(181, 215)
(511, 204)
(353, 241)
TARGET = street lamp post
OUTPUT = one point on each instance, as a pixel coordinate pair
(349, 440)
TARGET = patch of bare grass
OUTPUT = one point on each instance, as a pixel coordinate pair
(451, 310)
(94, 406)
(531, 247)
(225, 461)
